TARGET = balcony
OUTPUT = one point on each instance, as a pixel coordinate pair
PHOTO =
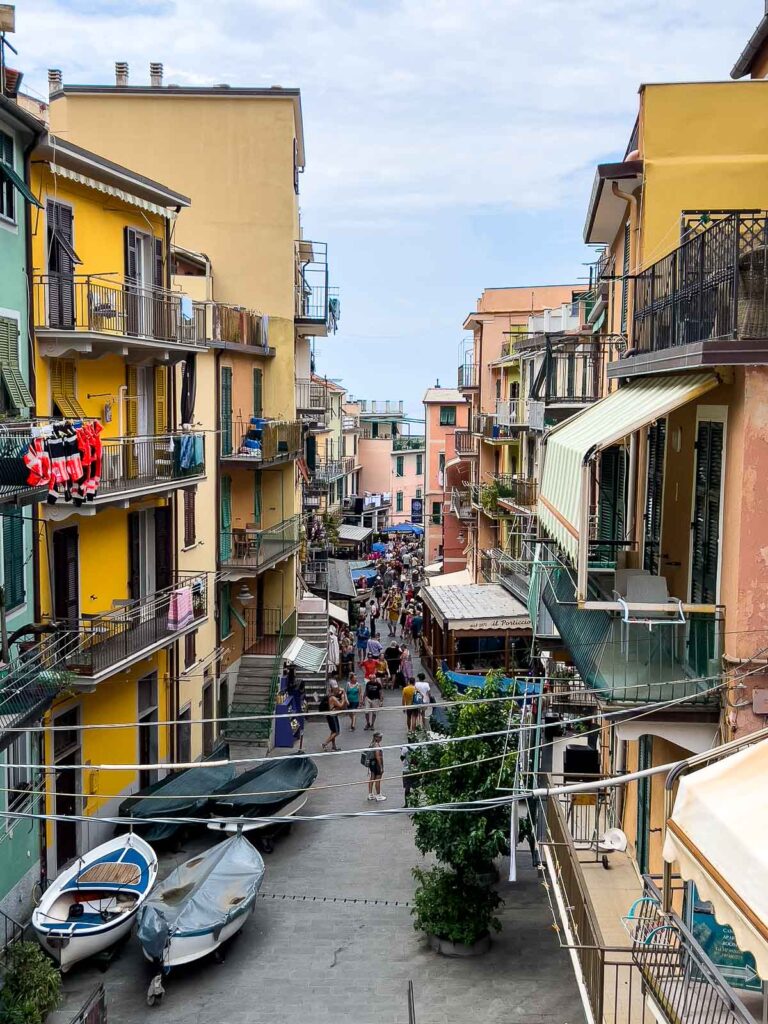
(325, 471)
(467, 444)
(408, 442)
(256, 550)
(259, 447)
(468, 376)
(628, 662)
(94, 647)
(137, 467)
(461, 503)
(316, 310)
(706, 303)
(91, 316)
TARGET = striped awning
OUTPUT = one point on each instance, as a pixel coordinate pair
(299, 652)
(573, 443)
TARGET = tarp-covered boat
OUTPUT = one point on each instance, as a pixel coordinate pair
(200, 905)
(185, 795)
(92, 905)
(275, 788)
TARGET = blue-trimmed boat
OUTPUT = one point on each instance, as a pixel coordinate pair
(93, 904)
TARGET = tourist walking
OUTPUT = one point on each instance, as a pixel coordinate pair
(375, 768)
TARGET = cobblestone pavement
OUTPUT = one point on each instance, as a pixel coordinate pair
(310, 953)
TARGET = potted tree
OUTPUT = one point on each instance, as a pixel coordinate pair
(455, 902)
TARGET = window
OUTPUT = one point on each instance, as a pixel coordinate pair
(18, 772)
(189, 516)
(437, 512)
(190, 649)
(418, 492)
(13, 558)
(7, 195)
(399, 501)
(447, 415)
(184, 736)
(419, 464)
(400, 466)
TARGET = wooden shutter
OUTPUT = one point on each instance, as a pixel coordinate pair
(13, 558)
(226, 518)
(654, 496)
(163, 553)
(258, 391)
(190, 494)
(134, 555)
(226, 410)
(161, 399)
(706, 512)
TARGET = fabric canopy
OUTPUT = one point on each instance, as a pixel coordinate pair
(299, 652)
(570, 444)
(718, 836)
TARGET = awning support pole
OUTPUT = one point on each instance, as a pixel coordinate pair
(583, 559)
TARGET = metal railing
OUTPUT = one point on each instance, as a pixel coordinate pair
(713, 286)
(466, 443)
(277, 440)
(311, 395)
(312, 294)
(327, 470)
(461, 503)
(468, 375)
(115, 306)
(408, 442)
(253, 548)
(678, 975)
(111, 638)
(135, 463)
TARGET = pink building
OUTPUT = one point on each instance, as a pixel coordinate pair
(445, 411)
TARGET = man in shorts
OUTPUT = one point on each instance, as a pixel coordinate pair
(373, 699)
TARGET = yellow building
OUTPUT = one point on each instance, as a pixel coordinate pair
(107, 332)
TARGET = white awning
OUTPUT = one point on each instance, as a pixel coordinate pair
(299, 652)
(354, 534)
(718, 836)
(338, 613)
(571, 445)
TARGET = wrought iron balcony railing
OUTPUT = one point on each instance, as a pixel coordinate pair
(113, 640)
(466, 443)
(468, 376)
(115, 307)
(257, 549)
(274, 441)
(713, 287)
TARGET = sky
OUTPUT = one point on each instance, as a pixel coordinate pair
(451, 144)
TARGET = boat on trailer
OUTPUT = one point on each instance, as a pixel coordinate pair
(93, 903)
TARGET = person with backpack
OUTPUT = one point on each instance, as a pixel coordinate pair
(373, 759)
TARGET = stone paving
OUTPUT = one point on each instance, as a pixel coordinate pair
(306, 954)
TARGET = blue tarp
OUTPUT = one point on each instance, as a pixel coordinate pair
(404, 528)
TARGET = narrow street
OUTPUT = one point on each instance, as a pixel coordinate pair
(311, 952)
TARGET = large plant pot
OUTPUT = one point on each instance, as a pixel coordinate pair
(447, 948)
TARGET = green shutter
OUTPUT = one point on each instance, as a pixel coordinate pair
(226, 518)
(225, 620)
(258, 391)
(13, 558)
(226, 410)
(257, 498)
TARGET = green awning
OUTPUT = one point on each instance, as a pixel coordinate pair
(599, 322)
(18, 183)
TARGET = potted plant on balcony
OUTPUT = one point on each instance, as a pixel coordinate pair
(455, 902)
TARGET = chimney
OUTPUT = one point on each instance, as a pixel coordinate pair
(54, 81)
(121, 73)
(155, 74)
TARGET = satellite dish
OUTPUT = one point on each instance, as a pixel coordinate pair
(614, 841)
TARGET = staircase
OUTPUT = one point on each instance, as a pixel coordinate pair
(313, 628)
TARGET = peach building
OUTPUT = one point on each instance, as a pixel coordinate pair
(445, 412)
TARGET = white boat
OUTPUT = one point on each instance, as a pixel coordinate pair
(93, 904)
(200, 905)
